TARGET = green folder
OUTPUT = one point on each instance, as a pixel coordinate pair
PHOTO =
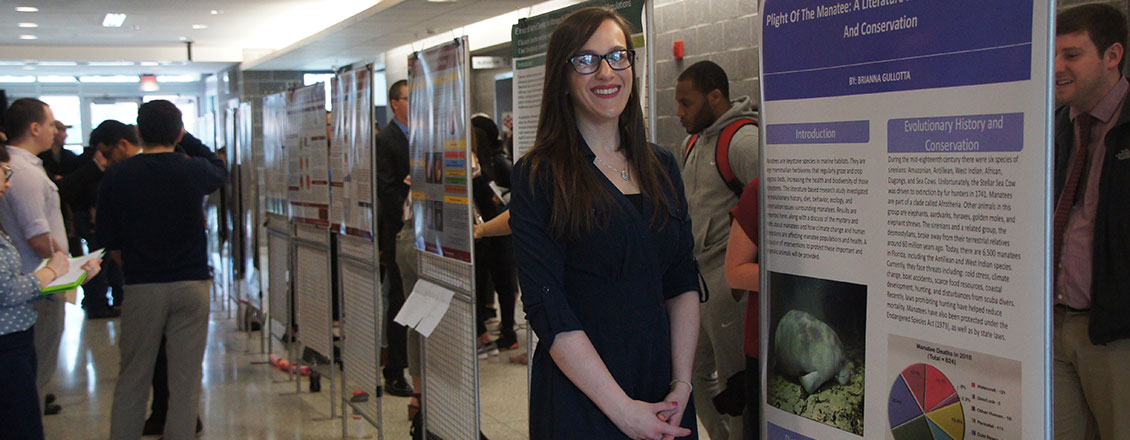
(74, 277)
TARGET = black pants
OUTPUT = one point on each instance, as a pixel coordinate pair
(494, 272)
(752, 413)
(109, 279)
(21, 416)
(397, 334)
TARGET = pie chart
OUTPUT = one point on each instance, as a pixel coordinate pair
(924, 405)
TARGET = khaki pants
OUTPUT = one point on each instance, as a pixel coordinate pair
(48, 333)
(1092, 382)
(179, 311)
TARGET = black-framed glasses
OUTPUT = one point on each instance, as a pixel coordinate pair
(589, 63)
(8, 171)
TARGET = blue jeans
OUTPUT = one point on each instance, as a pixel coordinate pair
(20, 414)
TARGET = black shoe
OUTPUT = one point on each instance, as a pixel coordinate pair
(48, 399)
(398, 386)
(103, 313)
(153, 426)
(52, 409)
(157, 427)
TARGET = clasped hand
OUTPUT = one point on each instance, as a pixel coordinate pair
(651, 421)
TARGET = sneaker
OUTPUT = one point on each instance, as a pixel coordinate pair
(487, 350)
(507, 342)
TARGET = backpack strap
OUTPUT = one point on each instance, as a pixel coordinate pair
(722, 154)
(690, 145)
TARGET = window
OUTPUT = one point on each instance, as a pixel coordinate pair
(124, 111)
(187, 106)
(68, 110)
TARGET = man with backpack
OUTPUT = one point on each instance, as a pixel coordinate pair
(718, 159)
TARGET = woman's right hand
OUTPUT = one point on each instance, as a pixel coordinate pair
(640, 420)
(59, 264)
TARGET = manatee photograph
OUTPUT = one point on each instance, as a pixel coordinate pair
(817, 330)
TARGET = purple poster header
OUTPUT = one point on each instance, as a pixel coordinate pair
(848, 132)
(822, 48)
(957, 134)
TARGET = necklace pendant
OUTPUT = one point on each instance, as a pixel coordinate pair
(624, 175)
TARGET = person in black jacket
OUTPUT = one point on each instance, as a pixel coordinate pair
(392, 190)
(111, 142)
(494, 256)
(1091, 225)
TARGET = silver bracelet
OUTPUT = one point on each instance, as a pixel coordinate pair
(673, 382)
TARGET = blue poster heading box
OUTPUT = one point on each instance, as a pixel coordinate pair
(847, 132)
(823, 48)
(957, 134)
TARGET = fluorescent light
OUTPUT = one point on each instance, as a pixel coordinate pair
(148, 64)
(11, 63)
(113, 20)
(57, 63)
(109, 63)
(183, 38)
(200, 26)
(109, 79)
(27, 9)
(29, 67)
(217, 12)
(28, 25)
(16, 79)
(57, 79)
(28, 37)
(178, 78)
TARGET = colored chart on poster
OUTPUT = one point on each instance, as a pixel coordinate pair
(923, 404)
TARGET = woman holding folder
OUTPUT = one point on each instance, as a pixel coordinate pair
(20, 414)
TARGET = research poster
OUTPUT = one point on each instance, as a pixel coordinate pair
(905, 219)
(307, 150)
(440, 152)
(274, 154)
(350, 153)
(529, 39)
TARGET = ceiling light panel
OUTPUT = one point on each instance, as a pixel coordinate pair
(27, 9)
(28, 37)
(58, 79)
(200, 26)
(16, 79)
(28, 25)
(110, 79)
(114, 20)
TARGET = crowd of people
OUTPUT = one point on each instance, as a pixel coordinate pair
(137, 192)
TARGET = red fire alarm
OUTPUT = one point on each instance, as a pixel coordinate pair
(677, 50)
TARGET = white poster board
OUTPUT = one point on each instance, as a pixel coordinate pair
(905, 212)
(307, 150)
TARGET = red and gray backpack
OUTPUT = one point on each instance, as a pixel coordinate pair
(722, 153)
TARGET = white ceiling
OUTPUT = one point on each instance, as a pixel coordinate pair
(264, 34)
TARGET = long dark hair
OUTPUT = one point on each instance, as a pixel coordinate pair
(578, 195)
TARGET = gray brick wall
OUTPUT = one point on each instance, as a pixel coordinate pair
(721, 31)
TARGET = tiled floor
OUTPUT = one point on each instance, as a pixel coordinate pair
(242, 398)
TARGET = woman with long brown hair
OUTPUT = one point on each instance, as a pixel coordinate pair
(604, 250)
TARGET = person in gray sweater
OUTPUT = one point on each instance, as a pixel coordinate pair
(705, 110)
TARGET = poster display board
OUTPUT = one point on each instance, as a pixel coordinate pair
(529, 39)
(250, 219)
(313, 294)
(307, 151)
(439, 150)
(351, 164)
(275, 164)
(442, 212)
(902, 142)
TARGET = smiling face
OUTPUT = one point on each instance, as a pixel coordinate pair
(1082, 74)
(601, 96)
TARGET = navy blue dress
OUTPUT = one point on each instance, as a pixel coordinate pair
(611, 283)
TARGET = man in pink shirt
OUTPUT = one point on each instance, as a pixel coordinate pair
(1091, 226)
